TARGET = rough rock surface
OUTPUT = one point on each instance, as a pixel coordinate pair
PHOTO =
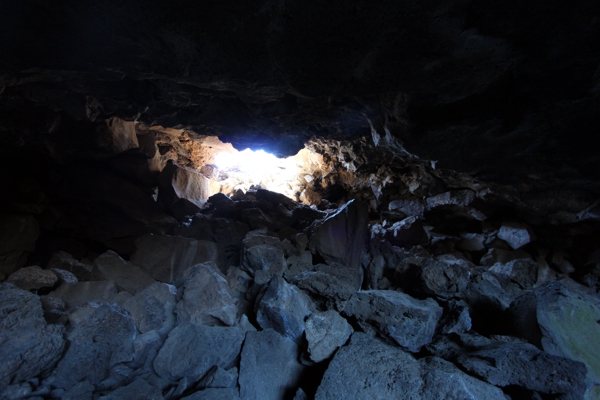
(110, 266)
(153, 308)
(63, 260)
(76, 294)
(18, 235)
(325, 332)
(180, 186)
(523, 272)
(28, 278)
(516, 234)
(335, 283)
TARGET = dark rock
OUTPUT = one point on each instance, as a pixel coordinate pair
(106, 336)
(276, 198)
(325, 333)
(257, 219)
(18, 235)
(342, 237)
(136, 390)
(268, 354)
(218, 377)
(516, 234)
(494, 256)
(283, 308)
(64, 276)
(182, 191)
(408, 207)
(191, 350)
(215, 394)
(63, 260)
(204, 297)
(52, 303)
(409, 322)
(491, 289)
(406, 233)
(153, 308)
(335, 283)
(76, 294)
(262, 261)
(440, 278)
(110, 266)
(456, 197)
(29, 278)
(523, 271)
(457, 318)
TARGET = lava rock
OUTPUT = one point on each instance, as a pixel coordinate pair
(138, 389)
(408, 207)
(269, 368)
(523, 271)
(64, 276)
(191, 350)
(152, 309)
(406, 233)
(440, 278)
(76, 294)
(218, 377)
(283, 308)
(18, 235)
(409, 322)
(110, 266)
(456, 197)
(335, 283)
(325, 333)
(215, 394)
(178, 187)
(457, 318)
(29, 278)
(63, 260)
(263, 261)
(106, 337)
(204, 297)
(516, 234)
(494, 256)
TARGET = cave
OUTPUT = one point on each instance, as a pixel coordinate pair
(311, 200)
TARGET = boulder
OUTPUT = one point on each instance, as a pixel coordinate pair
(335, 283)
(182, 191)
(204, 297)
(64, 276)
(218, 377)
(257, 219)
(408, 207)
(110, 266)
(368, 368)
(164, 257)
(456, 318)
(215, 394)
(524, 271)
(409, 322)
(117, 136)
(76, 294)
(494, 256)
(191, 351)
(139, 389)
(18, 235)
(29, 278)
(325, 333)
(455, 197)
(28, 347)
(342, 237)
(266, 259)
(439, 278)
(106, 336)
(516, 234)
(406, 233)
(152, 309)
(283, 308)
(269, 368)
(63, 260)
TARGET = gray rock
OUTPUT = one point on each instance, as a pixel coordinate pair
(83, 390)
(342, 237)
(146, 347)
(408, 321)
(408, 207)
(76, 294)
(191, 350)
(136, 390)
(153, 308)
(524, 271)
(406, 233)
(28, 346)
(516, 234)
(367, 368)
(441, 278)
(110, 266)
(494, 256)
(335, 283)
(204, 297)
(490, 289)
(522, 364)
(63, 260)
(267, 258)
(455, 197)
(257, 219)
(164, 257)
(52, 303)
(215, 394)
(106, 337)
(218, 377)
(268, 368)
(457, 318)
(18, 235)
(64, 276)
(325, 333)
(28, 278)
(283, 308)
(177, 186)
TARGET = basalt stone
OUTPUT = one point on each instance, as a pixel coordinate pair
(516, 234)
(191, 350)
(440, 278)
(494, 256)
(456, 197)
(409, 322)
(63, 260)
(406, 233)
(456, 318)
(215, 394)
(335, 283)
(138, 389)
(76, 294)
(64, 276)
(408, 207)
(267, 258)
(29, 278)
(177, 183)
(110, 266)
(153, 308)
(325, 333)
(218, 377)
(524, 272)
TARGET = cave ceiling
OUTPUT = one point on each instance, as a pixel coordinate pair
(507, 91)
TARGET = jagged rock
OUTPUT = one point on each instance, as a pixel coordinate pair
(369, 368)
(191, 350)
(153, 308)
(215, 394)
(204, 297)
(522, 364)
(283, 308)
(406, 233)
(456, 197)
(117, 136)
(146, 347)
(487, 288)
(138, 389)
(28, 346)
(64, 276)
(106, 337)
(164, 257)
(180, 189)
(76, 294)
(563, 319)
(28, 278)
(110, 266)
(83, 390)
(276, 198)
(457, 318)
(218, 377)
(440, 278)
(523, 271)
(52, 303)
(18, 235)
(63, 260)
(257, 219)
(310, 197)
(265, 258)
(408, 321)
(341, 237)
(335, 283)
(472, 242)
(494, 256)
(297, 263)
(268, 354)
(325, 332)
(408, 207)
(516, 234)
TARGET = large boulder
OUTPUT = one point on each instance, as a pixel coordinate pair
(28, 346)
(182, 191)
(440, 278)
(110, 266)
(204, 297)
(97, 343)
(368, 368)
(523, 271)
(269, 368)
(516, 234)
(325, 332)
(65, 261)
(34, 277)
(153, 308)
(409, 322)
(335, 283)
(342, 237)
(18, 235)
(164, 257)
(76, 294)
(191, 351)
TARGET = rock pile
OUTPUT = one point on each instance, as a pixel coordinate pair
(260, 297)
